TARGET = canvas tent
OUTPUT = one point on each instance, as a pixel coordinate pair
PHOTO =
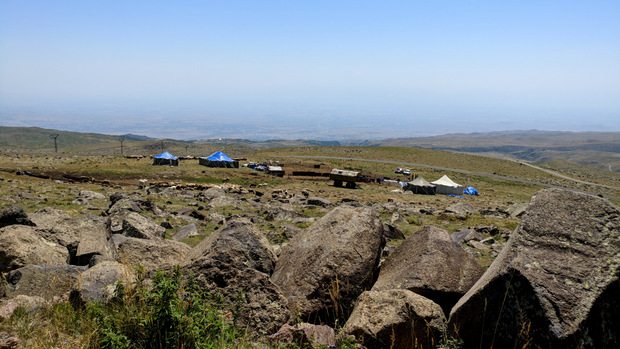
(420, 186)
(165, 158)
(219, 159)
(445, 185)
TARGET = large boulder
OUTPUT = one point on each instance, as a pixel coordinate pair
(98, 283)
(14, 215)
(556, 282)
(236, 262)
(138, 226)
(430, 264)
(238, 243)
(396, 319)
(21, 245)
(153, 255)
(255, 301)
(85, 236)
(324, 268)
(44, 281)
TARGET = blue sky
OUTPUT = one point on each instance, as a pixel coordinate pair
(367, 68)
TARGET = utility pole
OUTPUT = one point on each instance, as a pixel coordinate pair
(122, 140)
(162, 146)
(54, 137)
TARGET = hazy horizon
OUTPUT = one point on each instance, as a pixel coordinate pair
(315, 70)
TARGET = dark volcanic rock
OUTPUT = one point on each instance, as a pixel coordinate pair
(14, 215)
(555, 283)
(324, 268)
(396, 319)
(429, 263)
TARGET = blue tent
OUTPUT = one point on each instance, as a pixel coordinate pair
(470, 191)
(219, 159)
(219, 156)
(165, 158)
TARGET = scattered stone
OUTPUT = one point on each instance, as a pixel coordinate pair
(317, 201)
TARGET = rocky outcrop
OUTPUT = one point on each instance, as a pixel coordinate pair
(21, 245)
(555, 283)
(324, 268)
(430, 264)
(396, 319)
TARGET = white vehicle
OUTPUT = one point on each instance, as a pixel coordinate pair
(407, 172)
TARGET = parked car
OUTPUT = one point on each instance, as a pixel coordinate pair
(399, 170)
(407, 172)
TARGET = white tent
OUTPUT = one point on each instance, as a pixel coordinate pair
(420, 186)
(445, 185)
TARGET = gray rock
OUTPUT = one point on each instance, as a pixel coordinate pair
(461, 208)
(99, 282)
(392, 232)
(153, 255)
(317, 201)
(186, 231)
(257, 303)
(44, 281)
(284, 213)
(554, 284)
(28, 303)
(430, 264)
(305, 334)
(396, 319)
(14, 215)
(138, 226)
(223, 201)
(124, 205)
(333, 259)
(21, 245)
(84, 236)
(91, 195)
(239, 243)
(211, 194)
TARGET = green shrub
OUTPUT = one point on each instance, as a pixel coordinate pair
(173, 313)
